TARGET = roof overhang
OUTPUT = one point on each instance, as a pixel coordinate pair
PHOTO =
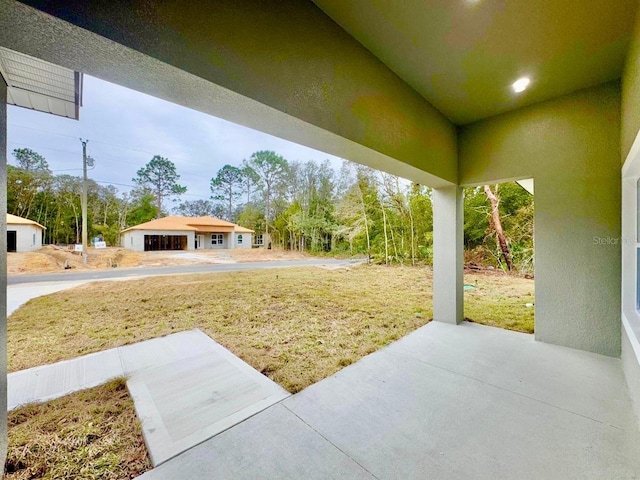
(212, 229)
(39, 85)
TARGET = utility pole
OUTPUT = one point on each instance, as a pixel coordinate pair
(84, 201)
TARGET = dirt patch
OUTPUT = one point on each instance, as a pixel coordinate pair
(31, 262)
(54, 258)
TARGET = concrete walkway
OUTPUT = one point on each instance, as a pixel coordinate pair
(18, 295)
(445, 402)
(186, 387)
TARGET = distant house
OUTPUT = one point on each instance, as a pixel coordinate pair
(261, 240)
(23, 235)
(185, 233)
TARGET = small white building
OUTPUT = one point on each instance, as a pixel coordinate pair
(185, 233)
(23, 235)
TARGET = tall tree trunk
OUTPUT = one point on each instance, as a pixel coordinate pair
(366, 224)
(413, 241)
(394, 245)
(386, 238)
(497, 226)
(159, 203)
(267, 199)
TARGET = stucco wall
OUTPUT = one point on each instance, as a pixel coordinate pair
(282, 67)
(28, 237)
(208, 244)
(134, 239)
(571, 147)
(246, 240)
(631, 93)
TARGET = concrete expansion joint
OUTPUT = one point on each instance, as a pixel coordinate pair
(330, 442)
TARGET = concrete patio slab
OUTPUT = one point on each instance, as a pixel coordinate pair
(164, 350)
(445, 402)
(575, 380)
(274, 444)
(186, 402)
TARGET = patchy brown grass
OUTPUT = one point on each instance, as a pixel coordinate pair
(296, 325)
(90, 434)
(499, 300)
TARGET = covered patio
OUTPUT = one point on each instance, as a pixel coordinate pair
(446, 94)
(450, 402)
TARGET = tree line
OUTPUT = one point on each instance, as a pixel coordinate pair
(303, 206)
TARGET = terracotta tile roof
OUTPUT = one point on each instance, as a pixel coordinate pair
(194, 224)
(16, 220)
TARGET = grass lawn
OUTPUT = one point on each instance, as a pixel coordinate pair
(90, 434)
(296, 325)
(499, 300)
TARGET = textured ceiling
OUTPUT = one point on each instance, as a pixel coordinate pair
(463, 55)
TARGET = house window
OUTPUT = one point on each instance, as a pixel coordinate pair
(217, 239)
(259, 240)
(239, 239)
(34, 239)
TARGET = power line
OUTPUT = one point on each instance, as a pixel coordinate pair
(134, 149)
(98, 157)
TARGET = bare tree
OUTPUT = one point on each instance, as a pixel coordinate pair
(496, 223)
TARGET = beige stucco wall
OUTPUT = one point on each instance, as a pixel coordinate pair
(247, 240)
(208, 243)
(631, 93)
(28, 237)
(134, 239)
(282, 67)
(571, 147)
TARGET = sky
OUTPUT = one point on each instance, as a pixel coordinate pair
(126, 129)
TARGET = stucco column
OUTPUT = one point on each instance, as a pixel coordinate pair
(448, 288)
(3, 270)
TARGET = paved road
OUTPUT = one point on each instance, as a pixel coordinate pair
(70, 276)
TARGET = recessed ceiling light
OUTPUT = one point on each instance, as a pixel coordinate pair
(521, 84)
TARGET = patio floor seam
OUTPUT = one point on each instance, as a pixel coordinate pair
(507, 390)
(331, 443)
